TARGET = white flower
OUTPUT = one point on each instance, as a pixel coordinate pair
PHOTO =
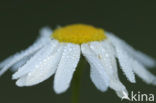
(59, 53)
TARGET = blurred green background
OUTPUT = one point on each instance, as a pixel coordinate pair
(20, 20)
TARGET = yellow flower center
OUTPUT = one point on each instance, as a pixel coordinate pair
(78, 34)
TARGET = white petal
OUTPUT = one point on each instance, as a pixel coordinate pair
(97, 79)
(106, 55)
(141, 57)
(37, 59)
(46, 69)
(124, 59)
(46, 32)
(40, 42)
(21, 81)
(98, 73)
(20, 63)
(141, 71)
(66, 67)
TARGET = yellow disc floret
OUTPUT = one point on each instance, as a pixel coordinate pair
(78, 34)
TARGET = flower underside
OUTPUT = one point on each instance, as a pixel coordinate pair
(78, 34)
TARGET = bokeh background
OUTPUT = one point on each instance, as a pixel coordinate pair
(20, 21)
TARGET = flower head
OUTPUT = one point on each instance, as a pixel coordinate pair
(78, 34)
(59, 52)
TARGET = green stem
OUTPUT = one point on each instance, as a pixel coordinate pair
(76, 82)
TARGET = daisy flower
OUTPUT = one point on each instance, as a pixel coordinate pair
(58, 53)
